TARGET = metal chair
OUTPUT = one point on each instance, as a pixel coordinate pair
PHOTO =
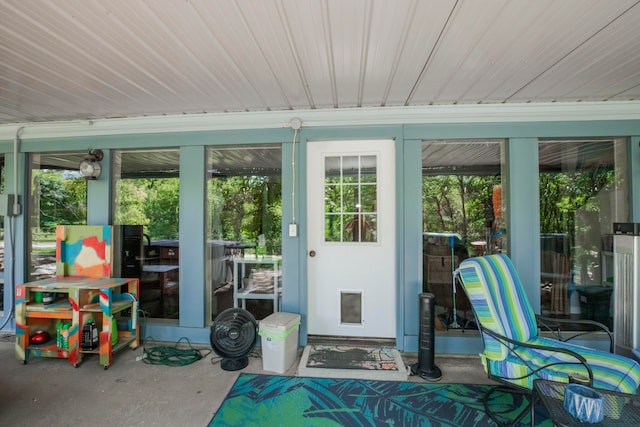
(515, 354)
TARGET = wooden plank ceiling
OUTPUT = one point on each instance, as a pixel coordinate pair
(89, 59)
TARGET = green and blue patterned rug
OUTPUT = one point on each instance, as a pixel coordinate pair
(271, 400)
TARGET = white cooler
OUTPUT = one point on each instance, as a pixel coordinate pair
(279, 333)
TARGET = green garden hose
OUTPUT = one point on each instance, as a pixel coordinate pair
(173, 355)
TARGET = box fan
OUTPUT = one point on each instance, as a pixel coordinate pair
(233, 337)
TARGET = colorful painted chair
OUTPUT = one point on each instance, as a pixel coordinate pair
(514, 352)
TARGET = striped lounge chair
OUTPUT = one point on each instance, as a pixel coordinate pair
(514, 352)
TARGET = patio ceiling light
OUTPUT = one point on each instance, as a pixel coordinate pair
(90, 165)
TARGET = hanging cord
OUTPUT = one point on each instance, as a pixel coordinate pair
(15, 209)
(293, 177)
(254, 354)
(12, 288)
(173, 355)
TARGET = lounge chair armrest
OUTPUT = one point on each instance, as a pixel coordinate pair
(552, 324)
(579, 359)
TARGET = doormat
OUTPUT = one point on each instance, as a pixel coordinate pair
(350, 361)
(265, 400)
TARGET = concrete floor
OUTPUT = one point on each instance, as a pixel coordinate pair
(51, 392)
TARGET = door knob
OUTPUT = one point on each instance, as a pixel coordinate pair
(312, 253)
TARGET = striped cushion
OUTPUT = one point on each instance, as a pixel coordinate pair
(610, 371)
(500, 304)
(503, 309)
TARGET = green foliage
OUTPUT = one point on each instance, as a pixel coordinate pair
(152, 202)
(131, 197)
(241, 208)
(569, 205)
(58, 199)
(458, 204)
(162, 207)
(564, 194)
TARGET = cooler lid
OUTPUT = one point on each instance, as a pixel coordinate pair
(280, 320)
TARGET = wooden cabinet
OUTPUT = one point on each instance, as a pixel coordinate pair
(169, 254)
(159, 291)
(111, 303)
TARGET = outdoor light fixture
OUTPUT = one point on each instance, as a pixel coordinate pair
(90, 165)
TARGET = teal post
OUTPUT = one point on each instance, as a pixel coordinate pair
(99, 207)
(193, 236)
(524, 214)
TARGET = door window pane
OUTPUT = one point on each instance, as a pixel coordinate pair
(351, 194)
(463, 215)
(583, 190)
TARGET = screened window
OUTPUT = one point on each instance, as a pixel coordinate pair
(146, 207)
(583, 191)
(463, 215)
(57, 196)
(244, 219)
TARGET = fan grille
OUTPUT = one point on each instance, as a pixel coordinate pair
(233, 333)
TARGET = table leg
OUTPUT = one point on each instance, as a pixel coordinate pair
(533, 408)
(275, 287)
(235, 284)
(244, 300)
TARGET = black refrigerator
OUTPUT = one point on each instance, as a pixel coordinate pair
(128, 252)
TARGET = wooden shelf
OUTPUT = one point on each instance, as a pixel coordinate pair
(124, 339)
(38, 309)
(43, 314)
(116, 306)
(116, 296)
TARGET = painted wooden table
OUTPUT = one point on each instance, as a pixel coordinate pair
(111, 303)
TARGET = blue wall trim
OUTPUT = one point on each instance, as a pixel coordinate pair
(633, 159)
(293, 253)
(565, 129)
(193, 324)
(411, 181)
(524, 213)
(99, 206)
(192, 236)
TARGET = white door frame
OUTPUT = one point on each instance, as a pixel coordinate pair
(343, 273)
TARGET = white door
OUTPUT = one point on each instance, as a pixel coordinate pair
(351, 238)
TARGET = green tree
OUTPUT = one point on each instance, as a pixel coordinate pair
(242, 207)
(131, 197)
(162, 207)
(564, 194)
(61, 199)
(152, 202)
(460, 204)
